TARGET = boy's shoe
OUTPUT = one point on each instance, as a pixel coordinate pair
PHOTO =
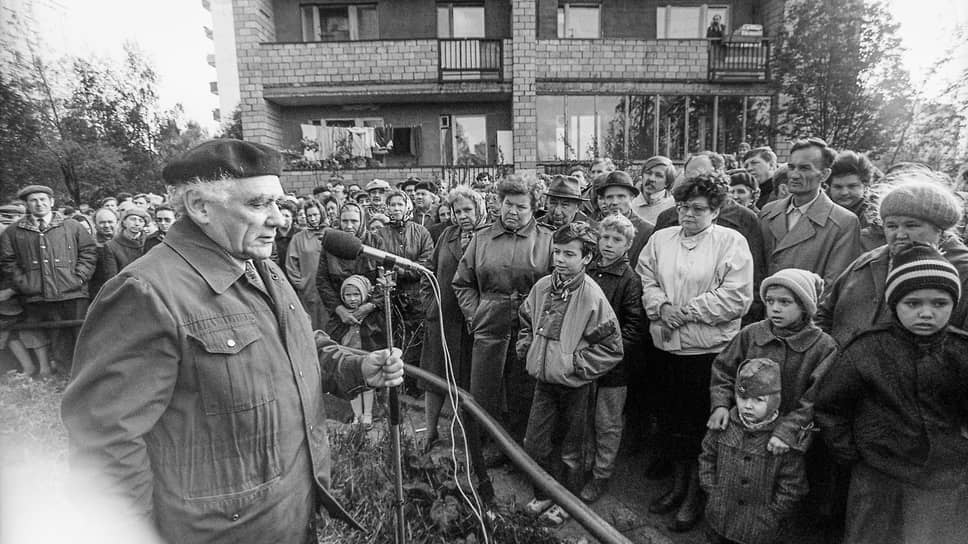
(594, 490)
(537, 506)
(554, 516)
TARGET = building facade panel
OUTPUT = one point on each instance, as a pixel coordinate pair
(622, 59)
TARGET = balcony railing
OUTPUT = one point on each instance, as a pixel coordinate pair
(739, 60)
(470, 59)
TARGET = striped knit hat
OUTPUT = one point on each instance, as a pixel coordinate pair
(921, 266)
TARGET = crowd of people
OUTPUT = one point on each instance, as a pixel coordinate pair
(784, 339)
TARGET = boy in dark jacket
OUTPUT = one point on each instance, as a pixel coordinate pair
(569, 338)
(750, 490)
(623, 289)
(894, 406)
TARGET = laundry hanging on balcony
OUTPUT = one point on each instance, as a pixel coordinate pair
(328, 142)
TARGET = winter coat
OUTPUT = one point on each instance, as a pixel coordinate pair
(410, 241)
(302, 262)
(373, 334)
(494, 276)
(281, 246)
(744, 221)
(222, 438)
(824, 241)
(897, 401)
(586, 345)
(643, 231)
(750, 490)
(855, 301)
(443, 263)
(713, 282)
(332, 271)
(154, 239)
(623, 290)
(48, 266)
(803, 358)
(118, 253)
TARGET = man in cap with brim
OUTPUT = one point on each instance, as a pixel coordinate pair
(48, 261)
(10, 214)
(220, 433)
(377, 191)
(564, 198)
(424, 201)
(615, 193)
(409, 186)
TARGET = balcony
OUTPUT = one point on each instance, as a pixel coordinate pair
(416, 70)
(740, 60)
(470, 60)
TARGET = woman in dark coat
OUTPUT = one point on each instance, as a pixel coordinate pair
(333, 270)
(302, 260)
(405, 238)
(470, 213)
(126, 246)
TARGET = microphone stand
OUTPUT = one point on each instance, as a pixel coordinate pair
(393, 401)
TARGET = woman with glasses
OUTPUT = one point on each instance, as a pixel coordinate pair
(697, 283)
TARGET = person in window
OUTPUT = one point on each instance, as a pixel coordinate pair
(716, 28)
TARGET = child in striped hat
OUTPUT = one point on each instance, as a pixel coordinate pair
(893, 405)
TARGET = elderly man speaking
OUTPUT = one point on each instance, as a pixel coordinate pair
(198, 383)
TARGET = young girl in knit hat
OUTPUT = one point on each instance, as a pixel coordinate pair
(789, 337)
(751, 491)
(894, 405)
(367, 334)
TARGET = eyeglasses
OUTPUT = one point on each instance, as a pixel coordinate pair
(682, 207)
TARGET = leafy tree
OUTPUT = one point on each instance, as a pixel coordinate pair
(839, 74)
(21, 161)
(232, 128)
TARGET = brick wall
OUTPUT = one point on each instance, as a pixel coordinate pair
(524, 113)
(622, 59)
(300, 64)
(253, 25)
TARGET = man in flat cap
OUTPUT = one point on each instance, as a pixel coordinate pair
(424, 202)
(48, 261)
(207, 412)
(564, 200)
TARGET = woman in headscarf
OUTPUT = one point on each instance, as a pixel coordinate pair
(406, 239)
(302, 261)
(333, 270)
(470, 213)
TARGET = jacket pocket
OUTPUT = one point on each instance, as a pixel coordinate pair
(232, 372)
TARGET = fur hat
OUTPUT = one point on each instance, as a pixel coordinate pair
(806, 285)
(923, 200)
(223, 158)
(759, 378)
(360, 282)
(920, 266)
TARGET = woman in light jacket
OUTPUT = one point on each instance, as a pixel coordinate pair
(697, 283)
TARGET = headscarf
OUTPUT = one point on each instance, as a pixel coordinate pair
(481, 217)
(407, 211)
(350, 205)
(361, 283)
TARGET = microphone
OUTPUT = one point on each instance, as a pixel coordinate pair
(346, 246)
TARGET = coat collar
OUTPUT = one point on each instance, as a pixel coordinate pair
(799, 342)
(29, 222)
(219, 269)
(497, 229)
(806, 228)
(615, 269)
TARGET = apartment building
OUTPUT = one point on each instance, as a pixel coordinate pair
(437, 87)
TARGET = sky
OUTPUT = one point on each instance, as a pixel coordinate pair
(170, 32)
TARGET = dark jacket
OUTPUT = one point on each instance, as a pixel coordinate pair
(643, 231)
(623, 289)
(48, 266)
(750, 489)
(744, 221)
(897, 402)
(118, 253)
(443, 262)
(372, 331)
(154, 239)
(225, 438)
(824, 241)
(281, 248)
(410, 241)
(803, 358)
(855, 301)
(332, 271)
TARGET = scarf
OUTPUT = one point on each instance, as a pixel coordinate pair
(562, 287)
(353, 206)
(757, 426)
(480, 213)
(407, 211)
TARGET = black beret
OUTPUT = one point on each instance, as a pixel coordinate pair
(31, 189)
(223, 158)
(427, 186)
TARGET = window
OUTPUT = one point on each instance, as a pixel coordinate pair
(339, 23)
(579, 21)
(580, 127)
(460, 21)
(688, 22)
(470, 140)
(350, 122)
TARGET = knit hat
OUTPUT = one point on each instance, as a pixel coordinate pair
(923, 200)
(921, 266)
(806, 285)
(758, 378)
(741, 176)
(360, 282)
(135, 210)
